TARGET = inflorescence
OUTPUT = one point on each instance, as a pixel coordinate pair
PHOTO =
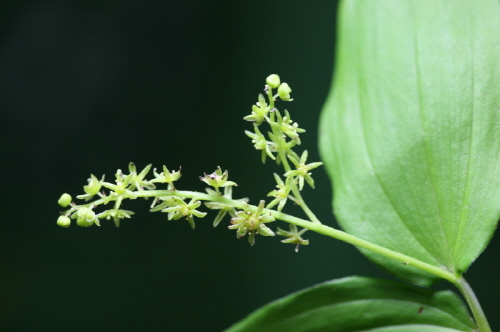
(278, 145)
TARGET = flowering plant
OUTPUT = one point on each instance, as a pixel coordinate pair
(409, 136)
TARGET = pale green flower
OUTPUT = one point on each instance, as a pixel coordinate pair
(302, 170)
(85, 217)
(217, 179)
(63, 221)
(287, 126)
(116, 214)
(281, 194)
(252, 222)
(137, 180)
(260, 143)
(259, 111)
(293, 236)
(93, 187)
(166, 176)
(121, 186)
(184, 210)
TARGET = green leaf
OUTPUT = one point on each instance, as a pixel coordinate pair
(361, 304)
(410, 133)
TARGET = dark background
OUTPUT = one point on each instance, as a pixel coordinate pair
(88, 87)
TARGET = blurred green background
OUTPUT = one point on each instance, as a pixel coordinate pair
(88, 87)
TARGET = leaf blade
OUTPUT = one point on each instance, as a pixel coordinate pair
(361, 304)
(410, 132)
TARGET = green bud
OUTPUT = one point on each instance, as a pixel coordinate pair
(85, 217)
(284, 92)
(273, 81)
(63, 221)
(84, 223)
(65, 200)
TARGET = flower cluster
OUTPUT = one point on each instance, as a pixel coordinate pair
(252, 220)
(134, 185)
(126, 186)
(278, 144)
(282, 127)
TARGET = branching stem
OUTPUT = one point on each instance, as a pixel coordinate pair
(317, 227)
(133, 185)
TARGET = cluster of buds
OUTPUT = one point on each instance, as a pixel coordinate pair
(277, 144)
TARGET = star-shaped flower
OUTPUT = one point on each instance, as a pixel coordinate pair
(121, 187)
(260, 143)
(281, 194)
(287, 126)
(259, 111)
(137, 180)
(116, 214)
(92, 188)
(166, 177)
(217, 179)
(252, 221)
(184, 210)
(302, 170)
(293, 236)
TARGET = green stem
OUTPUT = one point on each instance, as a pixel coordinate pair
(270, 97)
(351, 239)
(295, 189)
(317, 227)
(303, 205)
(474, 305)
(286, 165)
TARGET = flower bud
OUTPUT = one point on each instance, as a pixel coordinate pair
(83, 223)
(85, 217)
(63, 221)
(284, 92)
(273, 81)
(65, 200)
